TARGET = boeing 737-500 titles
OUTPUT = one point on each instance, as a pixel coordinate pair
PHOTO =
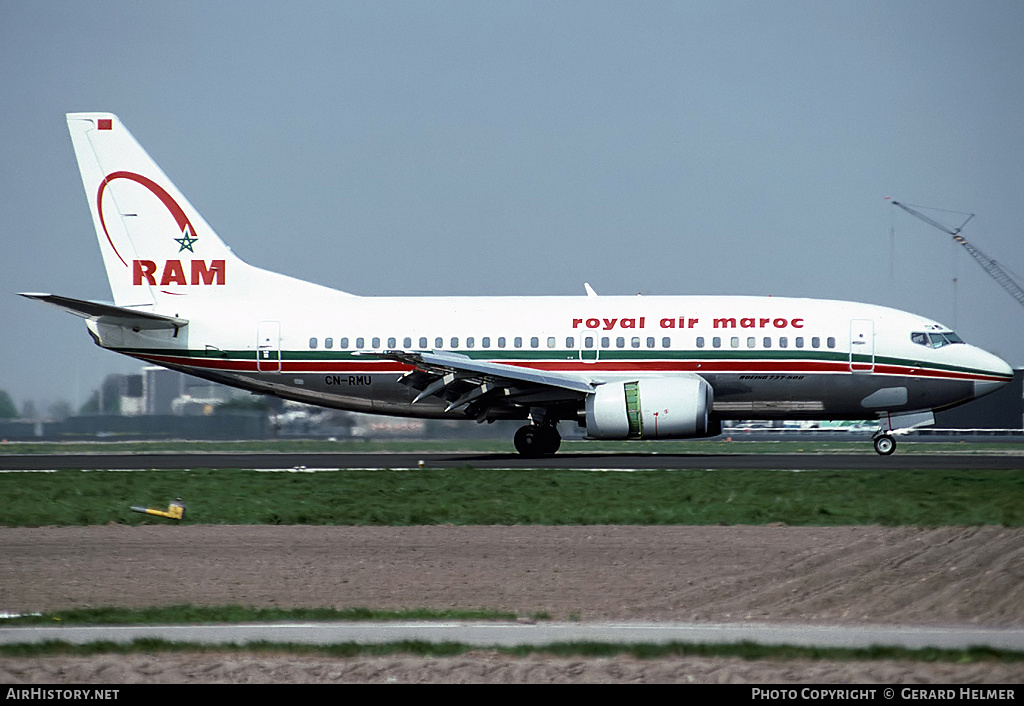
(637, 367)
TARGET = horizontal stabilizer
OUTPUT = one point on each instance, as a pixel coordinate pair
(110, 314)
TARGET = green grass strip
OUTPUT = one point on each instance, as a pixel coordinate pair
(192, 614)
(465, 496)
(747, 651)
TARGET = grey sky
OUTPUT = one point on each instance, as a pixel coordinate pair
(524, 148)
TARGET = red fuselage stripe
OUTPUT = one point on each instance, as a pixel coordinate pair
(576, 366)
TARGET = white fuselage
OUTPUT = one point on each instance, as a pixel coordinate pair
(764, 357)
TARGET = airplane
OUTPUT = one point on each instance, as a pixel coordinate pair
(621, 367)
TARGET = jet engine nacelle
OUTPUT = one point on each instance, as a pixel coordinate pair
(651, 408)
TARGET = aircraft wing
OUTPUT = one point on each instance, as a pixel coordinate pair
(110, 314)
(462, 381)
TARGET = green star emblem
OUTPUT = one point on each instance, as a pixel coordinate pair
(186, 240)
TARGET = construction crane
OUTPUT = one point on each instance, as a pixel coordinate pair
(988, 264)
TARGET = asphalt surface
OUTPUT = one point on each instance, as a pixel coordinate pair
(867, 460)
(516, 634)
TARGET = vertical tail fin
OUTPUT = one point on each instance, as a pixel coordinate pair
(156, 247)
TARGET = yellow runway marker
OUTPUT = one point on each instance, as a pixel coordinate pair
(174, 511)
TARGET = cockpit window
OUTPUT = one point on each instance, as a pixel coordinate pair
(935, 340)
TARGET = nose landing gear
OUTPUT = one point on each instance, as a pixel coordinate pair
(884, 444)
(533, 441)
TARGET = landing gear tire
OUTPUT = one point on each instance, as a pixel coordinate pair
(533, 441)
(885, 445)
(551, 439)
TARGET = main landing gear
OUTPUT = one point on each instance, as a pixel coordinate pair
(884, 444)
(537, 440)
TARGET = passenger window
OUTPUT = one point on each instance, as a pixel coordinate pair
(406, 342)
(815, 342)
(470, 342)
(392, 343)
(751, 341)
(767, 342)
(830, 342)
(328, 343)
(423, 342)
(360, 342)
(455, 341)
(620, 342)
(783, 342)
(501, 342)
(799, 341)
(485, 342)
(570, 342)
(343, 343)
(534, 342)
(700, 341)
(551, 341)
(650, 341)
(375, 343)
(588, 342)
(734, 341)
(605, 342)
(438, 342)
(666, 342)
(635, 342)
(518, 342)
(312, 343)
(716, 341)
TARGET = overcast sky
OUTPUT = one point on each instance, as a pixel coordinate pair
(524, 148)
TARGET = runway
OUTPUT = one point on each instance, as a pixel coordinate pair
(563, 461)
(477, 634)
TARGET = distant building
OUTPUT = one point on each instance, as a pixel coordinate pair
(170, 392)
(133, 398)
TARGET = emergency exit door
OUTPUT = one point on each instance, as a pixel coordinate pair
(268, 347)
(862, 345)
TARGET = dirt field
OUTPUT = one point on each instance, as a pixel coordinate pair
(842, 575)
